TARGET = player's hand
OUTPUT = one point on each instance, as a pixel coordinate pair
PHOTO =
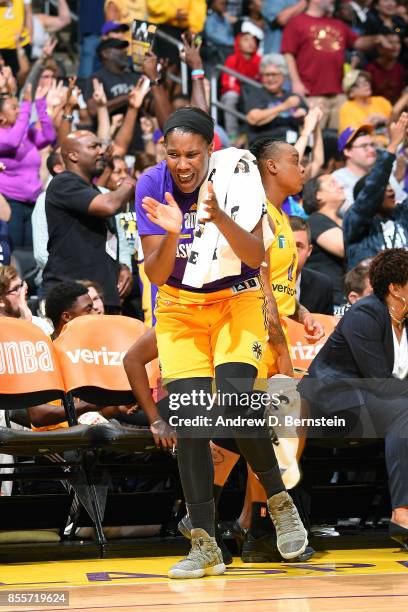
(314, 330)
(168, 217)
(163, 434)
(209, 209)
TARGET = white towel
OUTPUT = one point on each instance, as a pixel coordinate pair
(238, 187)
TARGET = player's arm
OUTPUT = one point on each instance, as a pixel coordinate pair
(140, 353)
(314, 330)
(276, 336)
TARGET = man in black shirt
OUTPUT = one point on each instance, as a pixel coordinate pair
(114, 75)
(82, 234)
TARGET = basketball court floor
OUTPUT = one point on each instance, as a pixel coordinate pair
(374, 580)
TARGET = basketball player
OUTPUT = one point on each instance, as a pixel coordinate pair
(208, 332)
(282, 176)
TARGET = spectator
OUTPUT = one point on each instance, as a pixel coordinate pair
(125, 11)
(55, 165)
(402, 10)
(19, 151)
(114, 29)
(357, 282)
(359, 11)
(13, 299)
(314, 290)
(90, 21)
(143, 161)
(388, 75)
(175, 17)
(374, 222)
(360, 152)
(383, 18)
(277, 14)
(82, 237)
(356, 286)
(252, 14)
(362, 107)
(314, 44)
(270, 111)
(15, 18)
(44, 25)
(219, 31)
(117, 81)
(96, 294)
(66, 301)
(246, 61)
(322, 198)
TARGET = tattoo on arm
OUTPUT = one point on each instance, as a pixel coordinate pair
(300, 313)
(276, 335)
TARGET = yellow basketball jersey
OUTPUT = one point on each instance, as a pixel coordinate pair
(283, 262)
(12, 22)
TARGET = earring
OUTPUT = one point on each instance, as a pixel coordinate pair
(400, 312)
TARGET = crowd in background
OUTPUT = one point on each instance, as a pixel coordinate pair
(328, 75)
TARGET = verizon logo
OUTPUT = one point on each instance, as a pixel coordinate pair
(305, 351)
(102, 357)
(25, 357)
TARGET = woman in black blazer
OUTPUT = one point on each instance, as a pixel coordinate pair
(361, 374)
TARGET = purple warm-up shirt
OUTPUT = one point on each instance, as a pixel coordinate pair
(154, 183)
(19, 152)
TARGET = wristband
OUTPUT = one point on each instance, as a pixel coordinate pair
(197, 72)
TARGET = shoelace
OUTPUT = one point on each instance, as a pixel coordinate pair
(285, 520)
(196, 552)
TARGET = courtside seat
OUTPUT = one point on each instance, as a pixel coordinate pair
(29, 369)
(302, 352)
(117, 438)
(31, 443)
(90, 351)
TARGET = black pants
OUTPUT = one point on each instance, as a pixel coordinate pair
(193, 451)
(385, 418)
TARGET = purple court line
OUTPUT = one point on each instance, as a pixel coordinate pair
(196, 603)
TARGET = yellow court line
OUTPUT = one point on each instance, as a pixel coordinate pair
(153, 570)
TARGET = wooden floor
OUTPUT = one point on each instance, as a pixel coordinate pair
(374, 580)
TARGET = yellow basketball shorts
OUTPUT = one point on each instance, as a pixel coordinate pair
(196, 332)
